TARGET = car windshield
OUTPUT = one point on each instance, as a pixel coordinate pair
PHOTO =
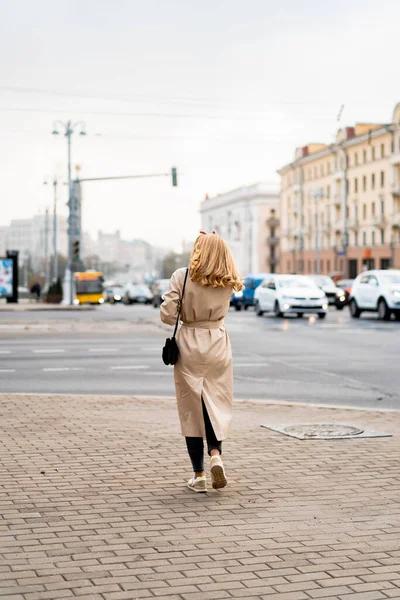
(322, 280)
(392, 278)
(296, 281)
(141, 289)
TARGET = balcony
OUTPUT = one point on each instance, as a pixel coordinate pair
(272, 240)
(339, 225)
(326, 229)
(379, 221)
(337, 199)
(395, 220)
(339, 175)
(395, 188)
(353, 224)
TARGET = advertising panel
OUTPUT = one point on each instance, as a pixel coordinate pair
(6, 277)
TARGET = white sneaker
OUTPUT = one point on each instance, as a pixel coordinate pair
(197, 484)
(218, 477)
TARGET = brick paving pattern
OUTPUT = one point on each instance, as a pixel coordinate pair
(93, 505)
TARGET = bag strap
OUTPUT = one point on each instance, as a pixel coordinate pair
(181, 300)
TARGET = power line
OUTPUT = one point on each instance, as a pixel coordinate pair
(150, 115)
(144, 98)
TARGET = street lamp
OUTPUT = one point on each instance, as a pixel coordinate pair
(68, 129)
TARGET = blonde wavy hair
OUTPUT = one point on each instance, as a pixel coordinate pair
(212, 264)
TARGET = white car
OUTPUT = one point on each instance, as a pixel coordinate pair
(376, 291)
(290, 294)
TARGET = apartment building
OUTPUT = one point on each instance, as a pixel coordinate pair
(248, 219)
(340, 203)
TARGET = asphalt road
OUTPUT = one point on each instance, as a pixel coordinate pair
(337, 361)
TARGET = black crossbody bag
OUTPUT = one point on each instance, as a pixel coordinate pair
(170, 351)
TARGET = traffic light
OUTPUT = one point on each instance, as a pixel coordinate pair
(76, 250)
(174, 177)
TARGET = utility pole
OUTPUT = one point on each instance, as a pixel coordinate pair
(73, 233)
(55, 263)
(46, 248)
(317, 196)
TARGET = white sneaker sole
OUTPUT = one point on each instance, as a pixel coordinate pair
(218, 477)
(197, 489)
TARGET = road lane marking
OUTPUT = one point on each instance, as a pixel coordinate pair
(7, 370)
(259, 364)
(103, 349)
(49, 351)
(5, 352)
(130, 367)
(63, 369)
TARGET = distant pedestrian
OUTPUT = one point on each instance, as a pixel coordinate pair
(203, 372)
(36, 290)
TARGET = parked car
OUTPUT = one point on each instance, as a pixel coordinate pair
(335, 294)
(345, 285)
(251, 283)
(236, 300)
(113, 294)
(376, 291)
(292, 294)
(160, 288)
(137, 294)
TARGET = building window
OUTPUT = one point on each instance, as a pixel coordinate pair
(328, 191)
(382, 236)
(315, 173)
(356, 158)
(382, 178)
(348, 185)
(328, 266)
(356, 238)
(356, 185)
(328, 167)
(373, 181)
(373, 153)
(364, 238)
(373, 209)
(364, 156)
(382, 207)
(321, 170)
(364, 211)
(373, 238)
(382, 150)
(364, 183)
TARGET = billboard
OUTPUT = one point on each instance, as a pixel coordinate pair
(6, 278)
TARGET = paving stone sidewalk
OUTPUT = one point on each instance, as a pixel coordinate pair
(93, 505)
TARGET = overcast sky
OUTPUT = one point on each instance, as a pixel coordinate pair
(224, 89)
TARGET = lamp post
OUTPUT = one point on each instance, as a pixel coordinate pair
(69, 128)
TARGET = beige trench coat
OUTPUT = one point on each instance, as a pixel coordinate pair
(204, 367)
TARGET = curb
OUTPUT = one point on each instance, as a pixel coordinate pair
(269, 402)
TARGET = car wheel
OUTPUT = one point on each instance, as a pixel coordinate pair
(277, 310)
(300, 315)
(397, 316)
(354, 310)
(321, 315)
(238, 307)
(384, 312)
(258, 310)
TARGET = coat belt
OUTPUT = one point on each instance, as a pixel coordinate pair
(205, 324)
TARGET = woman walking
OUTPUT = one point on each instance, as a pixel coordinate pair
(203, 372)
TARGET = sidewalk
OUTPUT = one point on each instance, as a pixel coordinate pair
(93, 505)
(32, 306)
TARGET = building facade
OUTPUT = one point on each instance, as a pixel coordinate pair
(340, 203)
(28, 236)
(248, 219)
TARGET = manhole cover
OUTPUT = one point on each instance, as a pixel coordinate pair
(321, 431)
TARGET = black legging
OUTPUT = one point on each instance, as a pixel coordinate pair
(195, 445)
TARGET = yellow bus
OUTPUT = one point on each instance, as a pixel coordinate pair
(89, 287)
